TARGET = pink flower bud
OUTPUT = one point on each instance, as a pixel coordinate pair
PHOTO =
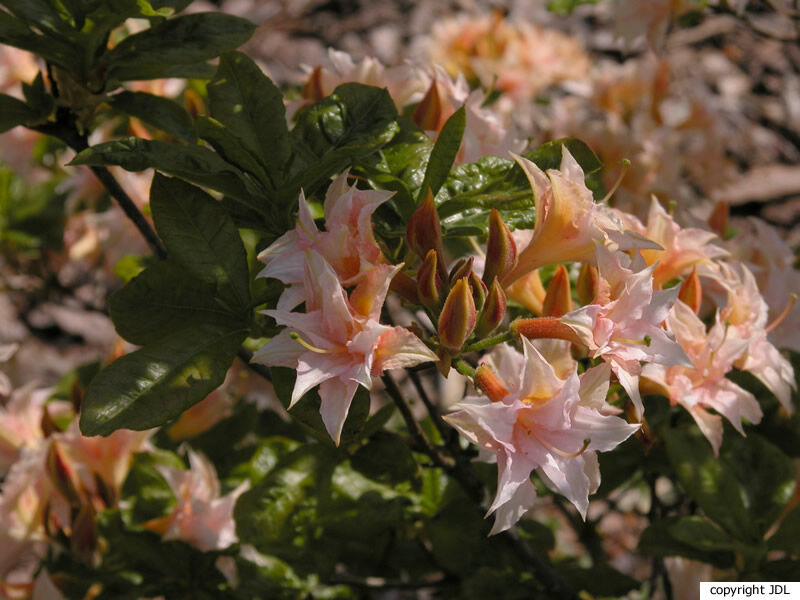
(428, 114)
(588, 284)
(61, 475)
(430, 286)
(493, 311)
(558, 300)
(545, 328)
(405, 286)
(424, 232)
(501, 250)
(720, 216)
(458, 317)
(691, 292)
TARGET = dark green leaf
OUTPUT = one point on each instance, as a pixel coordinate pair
(787, 538)
(162, 300)
(443, 154)
(155, 384)
(263, 514)
(548, 156)
(184, 40)
(161, 113)
(200, 235)
(230, 148)
(146, 492)
(744, 490)
(39, 101)
(14, 112)
(350, 124)
(193, 163)
(385, 458)
(246, 101)
(658, 540)
(456, 535)
(538, 536)
(15, 33)
(600, 580)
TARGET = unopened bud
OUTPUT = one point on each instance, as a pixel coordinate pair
(545, 328)
(193, 103)
(458, 317)
(83, 540)
(487, 382)
(428, 114)
(312, 90)
(691, 292)
(61, 475)
(430, 286)
(479, 290)
(558, 300)
(404, 286)
(501, 250)
(493, 311)
(588, 284)
(48, 424)
(719, 219)
(424, 232)
(462, 268)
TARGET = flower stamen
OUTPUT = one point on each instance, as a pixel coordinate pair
(783, 315)
(296, 337)
(559, 451)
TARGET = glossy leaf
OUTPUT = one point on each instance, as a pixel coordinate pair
(155, 384)
(787, 538)
(231, 149)
(161, 300)
(246, 101)
(14, 112)
(165, 47)
(443, 154)
(200, 235)
(161, 113)
(675, 536)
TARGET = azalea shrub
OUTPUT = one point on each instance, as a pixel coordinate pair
(369, 338)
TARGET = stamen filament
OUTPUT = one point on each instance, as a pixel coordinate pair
(559, 451)
(296, 337)
(626, 164)
(783, 315)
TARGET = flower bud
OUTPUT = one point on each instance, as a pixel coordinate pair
(428, 114)
(501, 250)
(60, 474)
(462, 268)
(558, 300)
(487, 382)
(312, 90)
(493, 311)
(545, 328)
(83, 540)
(479, 290)
(691, 292)
(588, 284)
(720, 216)
(424, 232)
(404, 286)
(458, 317)
(430, 286)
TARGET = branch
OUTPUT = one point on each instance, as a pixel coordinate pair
(246, 356)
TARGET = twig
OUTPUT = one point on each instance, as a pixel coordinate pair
(432, 409)
(587, 533)
(246, 356)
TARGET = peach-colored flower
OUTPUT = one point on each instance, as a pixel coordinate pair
(21, 423)
(705, 385)
(539, 420)
(201, 516)
(568, 222)
(347, 244)
(338, 342)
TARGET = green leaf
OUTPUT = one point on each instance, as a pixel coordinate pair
(548, 156)
(146, 492)
(155, 384)
(787, 538)
(184, 40)
(744, 490)
(38, 99)
(230, 148)
(15, 33)
(456, 535)
(599, 580)
(658, 540)
(246, 101)
(14, 112)
(193, 163)
(263, 513)
(385, 458)
(350, 124)
(565, 7)
(161, 113)
(443, 154)
(161, 300)
(200, 235)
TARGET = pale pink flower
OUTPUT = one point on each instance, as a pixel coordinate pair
(771, 260)
(682, 248)
(705, 385)
(568, 222)
(338, 342)
(201, 516)
(21, 424)
(625, 328)
(746, 314)
(347, 244)
(545, 423)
